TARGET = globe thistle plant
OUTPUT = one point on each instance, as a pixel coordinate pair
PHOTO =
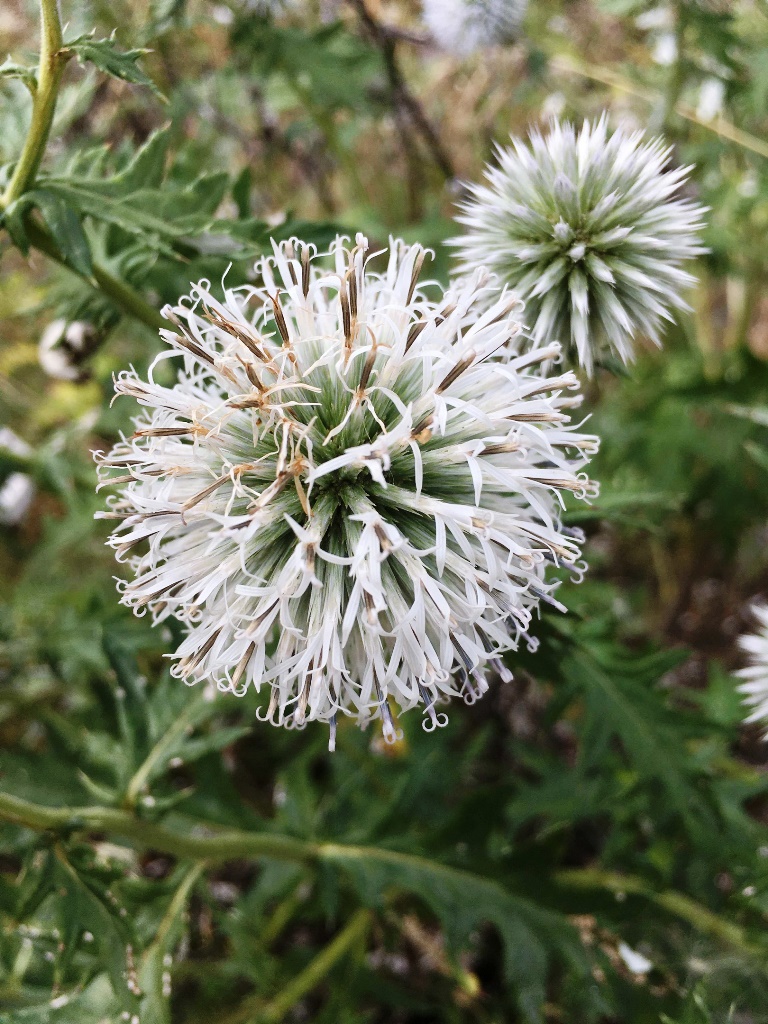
(755, 675)
(463, 26)
(589, 230)
(352, 492)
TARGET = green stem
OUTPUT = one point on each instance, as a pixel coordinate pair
(205, 843)
(281, 916)
(178, 903)
(255, 1010)
(52, 62)
(159, 751)
(703, 920)
(123, 295)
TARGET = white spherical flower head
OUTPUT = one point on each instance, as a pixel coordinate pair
(463, 26)
(755, 676)
(352, 493)
(589, 230)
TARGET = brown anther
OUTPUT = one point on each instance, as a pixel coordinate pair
(250, 372)
(367, 369)
(291, 256)
(382, 538)
(273, 697)
(444, 313)
(243, 664)
(422, 432)
(370, 608)
(184, 341)
(456, 372)
(346, 316)
(246, 335)
(305, 264)
(311, 557)
(352, 284)
(166, 431)
(534, 417)
(418, 263)
(197, 658)
(248, 402)
(128, 546)
(301, 707)
(277, 485)
(255, 623)
(415, 331)
(202, 495)
(126, 479)
(499, 449)
(282, 326)
(302, 496)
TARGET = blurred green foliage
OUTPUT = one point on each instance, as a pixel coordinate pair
(165, 857)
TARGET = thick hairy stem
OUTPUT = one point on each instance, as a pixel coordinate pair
(53, 58)
(52, 61)
(123, 295)
(402, 96)
(204, 843)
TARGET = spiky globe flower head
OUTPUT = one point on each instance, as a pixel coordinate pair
(351, 494)
(589, 230)
(755, 675)
(462, 26)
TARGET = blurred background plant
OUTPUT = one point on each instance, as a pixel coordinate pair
(587, 843)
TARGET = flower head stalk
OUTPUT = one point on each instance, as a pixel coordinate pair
(352, 493)
(588, 228)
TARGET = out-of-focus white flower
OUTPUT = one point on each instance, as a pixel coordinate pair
(553, 105)
(63, 346)
(634, 961)
(662, 17)
(755, 675)
(711, 99)
(665, 49)
(18, 489)
(352, 493)
(222, 15)
(462, 26)
(588, 229)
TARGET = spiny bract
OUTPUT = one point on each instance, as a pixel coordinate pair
(755, 675)
(462, 26)
(352, 492)
(586, 229)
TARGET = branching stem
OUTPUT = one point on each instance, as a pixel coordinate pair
(53, 59)
(212, 844)
(402, 96)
